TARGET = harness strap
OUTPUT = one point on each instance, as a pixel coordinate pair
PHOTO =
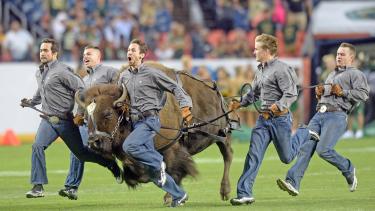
(213, 136)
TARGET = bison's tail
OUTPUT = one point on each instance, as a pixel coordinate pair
(181, 165)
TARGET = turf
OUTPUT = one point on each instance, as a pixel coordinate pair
(323, 187)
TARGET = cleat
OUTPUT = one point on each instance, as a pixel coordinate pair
(286, 186)
(242, 200)
(314, 136)
(352, 181)
(180, 202)
(69, 192)
(36, 192)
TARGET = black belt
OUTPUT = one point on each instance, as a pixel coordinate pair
(144, 114)
(55, 119)
(328, 108)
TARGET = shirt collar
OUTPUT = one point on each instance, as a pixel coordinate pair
(267, 63)
(91, 70)
(136, 70)
(341, 69)
(48, 65)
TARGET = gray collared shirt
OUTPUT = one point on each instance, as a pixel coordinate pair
(146, 87)
(354, 85)
(276, 82)
(100, 74)
(57, 84)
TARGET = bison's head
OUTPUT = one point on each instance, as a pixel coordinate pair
(106, 119)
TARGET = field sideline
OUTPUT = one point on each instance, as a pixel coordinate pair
(323, 187)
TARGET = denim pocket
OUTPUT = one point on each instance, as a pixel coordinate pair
(154, 121)
(285, 120)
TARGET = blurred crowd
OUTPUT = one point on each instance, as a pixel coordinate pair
(231, 85)
(171, 28)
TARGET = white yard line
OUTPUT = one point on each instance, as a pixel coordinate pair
(5, 173)
(27, 173)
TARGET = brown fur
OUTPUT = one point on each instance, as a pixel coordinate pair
(207, 104)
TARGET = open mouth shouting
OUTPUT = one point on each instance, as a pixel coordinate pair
(86, 62)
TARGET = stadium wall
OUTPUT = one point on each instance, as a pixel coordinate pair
(17, 80)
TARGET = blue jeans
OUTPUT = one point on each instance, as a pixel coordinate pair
(140, 145)
(278, 130)
(330, 126)
(77, 167)
(47, 133)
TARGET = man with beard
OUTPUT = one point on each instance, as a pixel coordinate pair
(57, 84)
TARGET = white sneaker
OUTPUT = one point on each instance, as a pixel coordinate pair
(180, 202)
(314, 136)
(242, 200)
(348, 134)
(359, 134)
(36, 192)
(353, 182)
(286, 186)
(163, 175)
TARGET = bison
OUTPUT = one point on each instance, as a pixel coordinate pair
(109, 125)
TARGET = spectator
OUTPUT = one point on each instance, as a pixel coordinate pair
(223, 81)
(18, 43)
(290, 40)
(164, 51)
(187, 64)
(203, 73)
(297, 13)
(329, 64)
(163, 17)
(3, 56)
(224, 15)
(356, 117)
(68, 43)
(200, 47)
(209, 12)
(256, 8)
(240, 16)
(266, 25)
(178, 40)
(279, 14)
(249, 114)
(238, 42)
(56, 6)
(181, 12)
(59, 25)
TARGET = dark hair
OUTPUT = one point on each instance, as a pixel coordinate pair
(350, 46)
(92, 47)
(55, 48)
(142, 46)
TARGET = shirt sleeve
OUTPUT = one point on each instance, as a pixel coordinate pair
(112, 75)
(171, 86)
(37, 99)
(74, 83)
(360, 88)
(123, 77)
(288, 87)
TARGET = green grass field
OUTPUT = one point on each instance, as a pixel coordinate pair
(323, 187)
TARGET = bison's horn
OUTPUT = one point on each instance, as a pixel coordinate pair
(122, 97)
(78, 99)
